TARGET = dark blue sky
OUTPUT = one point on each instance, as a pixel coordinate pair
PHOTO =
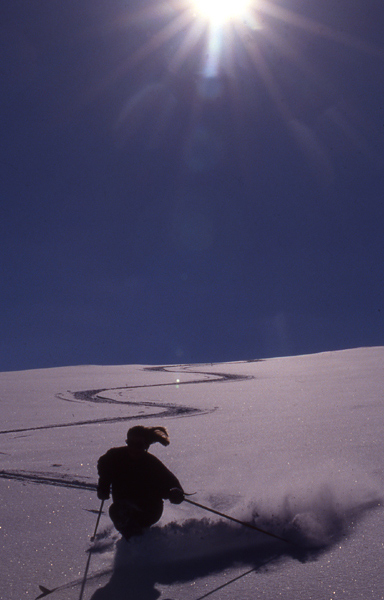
(149, 215)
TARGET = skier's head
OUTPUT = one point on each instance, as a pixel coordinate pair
(139, 438)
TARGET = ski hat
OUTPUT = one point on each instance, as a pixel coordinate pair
(150, 435)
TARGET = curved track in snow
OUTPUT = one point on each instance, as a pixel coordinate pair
(108, 396)
(160, 409)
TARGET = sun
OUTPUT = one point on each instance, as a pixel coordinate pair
(221, 11)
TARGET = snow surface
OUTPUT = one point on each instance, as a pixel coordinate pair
(294, 445)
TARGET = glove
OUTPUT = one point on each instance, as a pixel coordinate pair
(176, 496)
(102, 492)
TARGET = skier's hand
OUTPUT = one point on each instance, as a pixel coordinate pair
(102, 493)
(176, 495)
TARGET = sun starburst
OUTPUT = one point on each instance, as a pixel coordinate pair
(210, 39)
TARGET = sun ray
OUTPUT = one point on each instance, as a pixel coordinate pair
(181, 21)
(148, 14)
(159, 39)
(317, 28)
(194, 35)
(267, 77)
(294, 57)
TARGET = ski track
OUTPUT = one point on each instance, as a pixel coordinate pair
(46, 479)
(169, 409)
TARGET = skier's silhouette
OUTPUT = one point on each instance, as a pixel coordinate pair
(140, 482)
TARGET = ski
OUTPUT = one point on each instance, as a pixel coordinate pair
(70, 584)
(45, 591)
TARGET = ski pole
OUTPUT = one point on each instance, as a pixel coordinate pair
(85, 574)
(216, 512)
(45, 591)
(90, 552)
(98, 520)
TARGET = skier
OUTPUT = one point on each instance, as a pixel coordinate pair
(139, 481)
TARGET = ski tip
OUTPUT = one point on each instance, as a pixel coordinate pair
(45, 591)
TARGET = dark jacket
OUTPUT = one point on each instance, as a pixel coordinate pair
(144, 481)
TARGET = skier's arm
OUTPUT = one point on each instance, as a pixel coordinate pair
(167, 484)
(104, 483)
(173, 490)
(103, 489)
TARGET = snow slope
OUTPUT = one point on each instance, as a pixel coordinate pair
(294, 445)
